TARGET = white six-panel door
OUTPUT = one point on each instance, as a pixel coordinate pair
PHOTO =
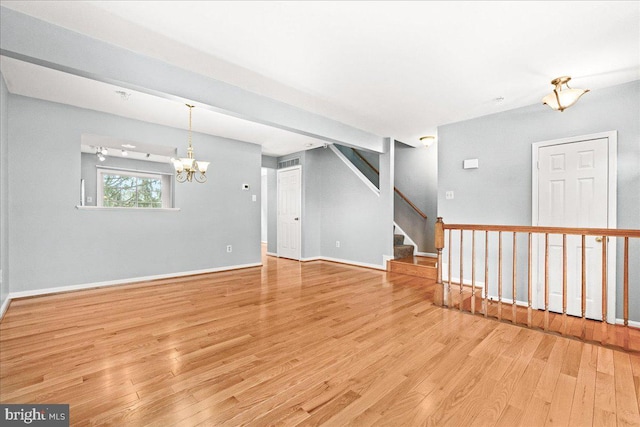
(573, 192)
(289, 207)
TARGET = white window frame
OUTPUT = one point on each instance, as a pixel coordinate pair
(167, 188)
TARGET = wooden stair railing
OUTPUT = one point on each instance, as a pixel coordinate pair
(400, 193)
(445, 295)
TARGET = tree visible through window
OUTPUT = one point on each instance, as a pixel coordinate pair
(132, 190)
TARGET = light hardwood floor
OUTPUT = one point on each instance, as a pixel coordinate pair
(301, 344)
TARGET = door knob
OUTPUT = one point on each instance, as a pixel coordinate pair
(296, 219)
(598, 239)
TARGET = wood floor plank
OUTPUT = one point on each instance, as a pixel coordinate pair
(584, 395)
(604, 411)
(626, 399)
(561, 401)
(289, 343)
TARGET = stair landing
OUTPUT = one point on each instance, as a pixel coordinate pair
(419, 266)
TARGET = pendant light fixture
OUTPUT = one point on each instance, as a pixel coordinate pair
(560, 98)
(188, 167)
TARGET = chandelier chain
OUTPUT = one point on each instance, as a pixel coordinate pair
(190, 112)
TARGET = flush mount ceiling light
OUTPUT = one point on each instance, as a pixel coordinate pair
(560, 98)
(427, 140)
(188, 167)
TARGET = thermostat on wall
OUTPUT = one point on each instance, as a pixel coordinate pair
(470, 164)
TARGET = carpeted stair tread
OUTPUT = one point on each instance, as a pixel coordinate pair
(402, 251)
(398, 239)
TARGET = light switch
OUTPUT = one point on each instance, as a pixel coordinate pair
(254, 197)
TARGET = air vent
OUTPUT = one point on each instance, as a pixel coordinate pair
(289, 163)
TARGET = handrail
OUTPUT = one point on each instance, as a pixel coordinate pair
(400, 193)
(446, 295)
(610, 232)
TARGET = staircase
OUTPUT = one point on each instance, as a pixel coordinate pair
(405, 262)
(400, 250)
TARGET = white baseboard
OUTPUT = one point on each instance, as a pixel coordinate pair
(633, 323)
(356, 263)
(46, 291)
(345, 261)
(456, 281)
(427, 254)
(509, 301)
(272, 254)
(5, 306)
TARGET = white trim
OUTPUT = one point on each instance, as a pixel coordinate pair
(355, 170)
(272, 254)
(300, 205)
(427, 254)
(510, 301)
(5, 306)
(612, 144)
(135, 171)
(456, 280)
(129, 281)
(120, 208)
(632, 323)
(348, 262)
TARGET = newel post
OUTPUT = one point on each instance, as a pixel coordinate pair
(438, 295)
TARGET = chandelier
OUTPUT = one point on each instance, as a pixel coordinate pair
(561, 98)
(188, 167)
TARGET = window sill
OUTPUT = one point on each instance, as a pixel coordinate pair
(104, 208)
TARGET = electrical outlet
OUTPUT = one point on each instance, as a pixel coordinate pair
(448, 195)
(337, 243)
(229, 248)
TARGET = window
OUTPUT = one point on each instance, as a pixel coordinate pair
(132, 189)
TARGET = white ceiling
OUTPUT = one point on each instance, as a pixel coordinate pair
(391, 68)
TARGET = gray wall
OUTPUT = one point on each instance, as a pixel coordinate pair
(272, 212)
(337, 205)
(499, 192)
(416, 175)
(4, 193)
(264, 210)
(340, 207)
(54, 244)
(271, 164)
